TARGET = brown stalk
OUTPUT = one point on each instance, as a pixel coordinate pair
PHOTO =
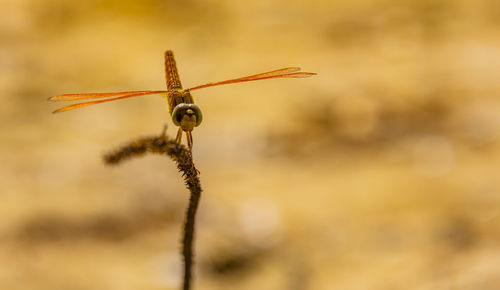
(183, 158)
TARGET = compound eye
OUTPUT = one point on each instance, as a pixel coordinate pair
(178, 112)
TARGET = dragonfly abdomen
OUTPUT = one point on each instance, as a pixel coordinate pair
(171, 73)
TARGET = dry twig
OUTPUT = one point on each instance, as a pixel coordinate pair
(183, 158)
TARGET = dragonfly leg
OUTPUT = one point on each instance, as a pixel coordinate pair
(189, 139)
(178, 139)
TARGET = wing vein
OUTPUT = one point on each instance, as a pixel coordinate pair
(81, 105)
(281, 73)
(90, 96)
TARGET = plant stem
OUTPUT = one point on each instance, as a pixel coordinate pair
(183, 158)
(187, 243)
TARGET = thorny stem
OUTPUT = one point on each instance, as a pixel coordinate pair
(183, 158)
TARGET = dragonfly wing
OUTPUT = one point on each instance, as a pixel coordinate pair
(81, 105)
(280, 71)
(251, 77)
(90, 96)
(290, 72)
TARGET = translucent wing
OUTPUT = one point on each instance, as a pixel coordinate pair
(280, 71)
(289, 72)
(90, 96)
(80, 105)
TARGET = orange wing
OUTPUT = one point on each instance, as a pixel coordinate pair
(289, 72)
(90, 96)
(119, 96)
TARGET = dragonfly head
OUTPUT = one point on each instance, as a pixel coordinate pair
(187, 116)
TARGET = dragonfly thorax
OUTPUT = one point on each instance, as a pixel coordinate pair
(177, 97)
(187, 116)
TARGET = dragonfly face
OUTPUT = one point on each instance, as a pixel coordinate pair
(187, 116)
(184, 112)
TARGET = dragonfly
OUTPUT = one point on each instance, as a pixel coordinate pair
(184, 112)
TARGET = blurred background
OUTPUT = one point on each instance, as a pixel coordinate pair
(381, 172)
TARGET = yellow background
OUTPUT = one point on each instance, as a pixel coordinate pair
(381, 172)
